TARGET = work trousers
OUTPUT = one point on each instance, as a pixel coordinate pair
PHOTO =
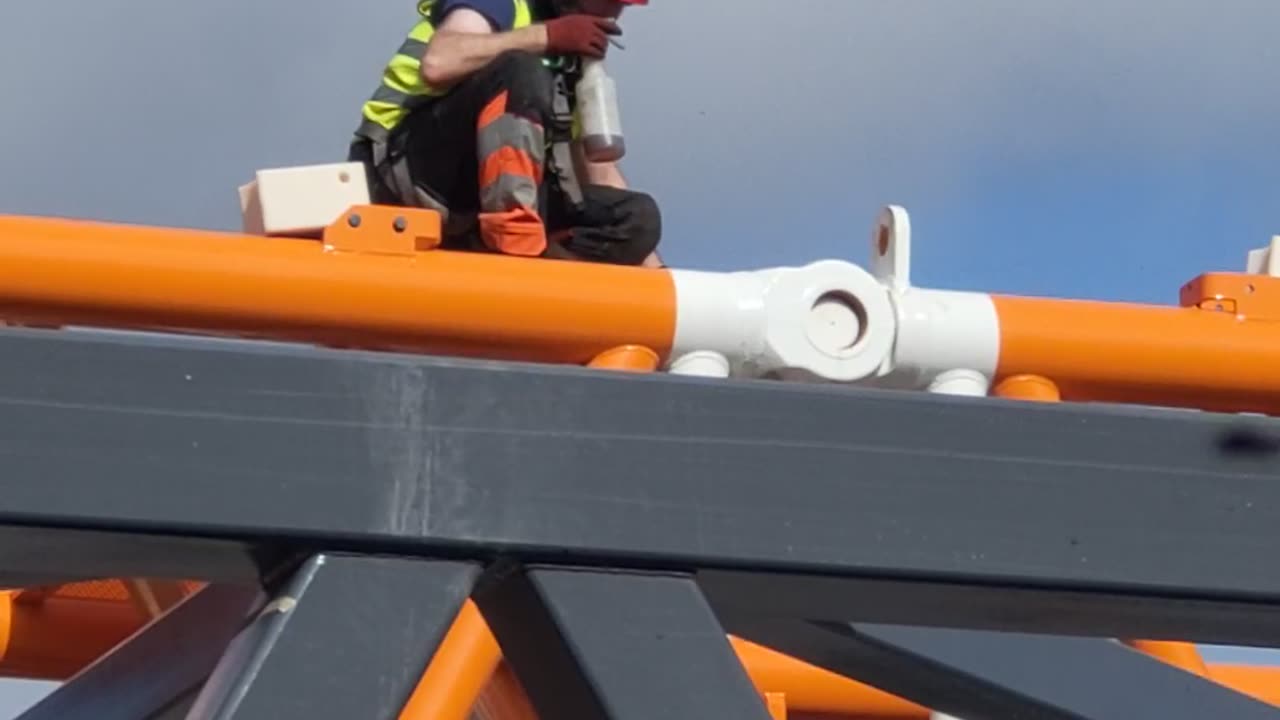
(480, 153)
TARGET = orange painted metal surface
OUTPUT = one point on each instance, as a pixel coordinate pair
(468, 304)
(812, 689)
(1262, 683)
(504, 698)
(1114, 352)
(1182, 655)
(1032, 388)
(776, 703)
(52, 637)
(1256, 297)
(50, 633)
(384, 230)
(459, 672)
(627, 358)
(153, 598)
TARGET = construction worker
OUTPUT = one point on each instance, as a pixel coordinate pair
(474, 119)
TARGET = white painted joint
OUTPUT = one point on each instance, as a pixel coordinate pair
(830, 320)
(891, 248)
(702, 363)
(940, 331)
(961, 381)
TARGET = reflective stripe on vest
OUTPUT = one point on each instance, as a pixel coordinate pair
(402, 87)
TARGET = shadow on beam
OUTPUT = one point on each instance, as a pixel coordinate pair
(616, 644)
(1000, 608)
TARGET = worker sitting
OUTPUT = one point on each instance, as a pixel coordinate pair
(474, 119)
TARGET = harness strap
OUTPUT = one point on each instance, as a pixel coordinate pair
(393, 169)
(561, 157)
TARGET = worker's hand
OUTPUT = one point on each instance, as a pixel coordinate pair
(586, 35)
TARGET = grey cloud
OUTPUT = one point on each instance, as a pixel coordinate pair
(849, 104)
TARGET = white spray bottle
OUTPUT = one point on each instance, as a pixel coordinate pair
(598, 115)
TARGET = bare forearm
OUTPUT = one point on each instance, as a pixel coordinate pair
(452, 56)
(606, 174)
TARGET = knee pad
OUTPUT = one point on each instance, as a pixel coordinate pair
(623, 229)
(645, 227)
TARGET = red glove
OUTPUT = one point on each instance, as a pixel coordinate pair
(580, 35)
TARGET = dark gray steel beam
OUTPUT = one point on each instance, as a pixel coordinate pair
(178, 709)
(383, 452)
(978, 607)
(596, 645)
(344, 637)
(50, 556)
(157, 666)
(978, 675)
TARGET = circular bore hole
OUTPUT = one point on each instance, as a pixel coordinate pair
(344, 177)
(836, 322)
(1248, 289)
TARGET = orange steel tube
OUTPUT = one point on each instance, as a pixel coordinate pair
(459, 672)
(57, 637)
(7, 599)
(811, 689)
(1031, 388)
(1263, 683)
(1118, 352)
(628, 358)
(505, 699)
(777, 705)
(88, 273)
(1182, 655)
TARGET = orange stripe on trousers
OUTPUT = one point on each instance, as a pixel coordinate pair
(518, 231)
(494, 110)
(509, 160)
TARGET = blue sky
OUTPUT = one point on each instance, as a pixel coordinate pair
(1094, 150)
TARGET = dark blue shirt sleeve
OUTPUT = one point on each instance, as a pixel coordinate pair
(501, 14)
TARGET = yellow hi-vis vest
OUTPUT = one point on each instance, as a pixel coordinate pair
(402, 87)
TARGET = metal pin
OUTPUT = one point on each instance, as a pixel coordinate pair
(617, 44)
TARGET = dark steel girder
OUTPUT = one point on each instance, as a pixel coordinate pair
(292, 447)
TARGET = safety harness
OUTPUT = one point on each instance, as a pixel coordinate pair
(560, 165)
